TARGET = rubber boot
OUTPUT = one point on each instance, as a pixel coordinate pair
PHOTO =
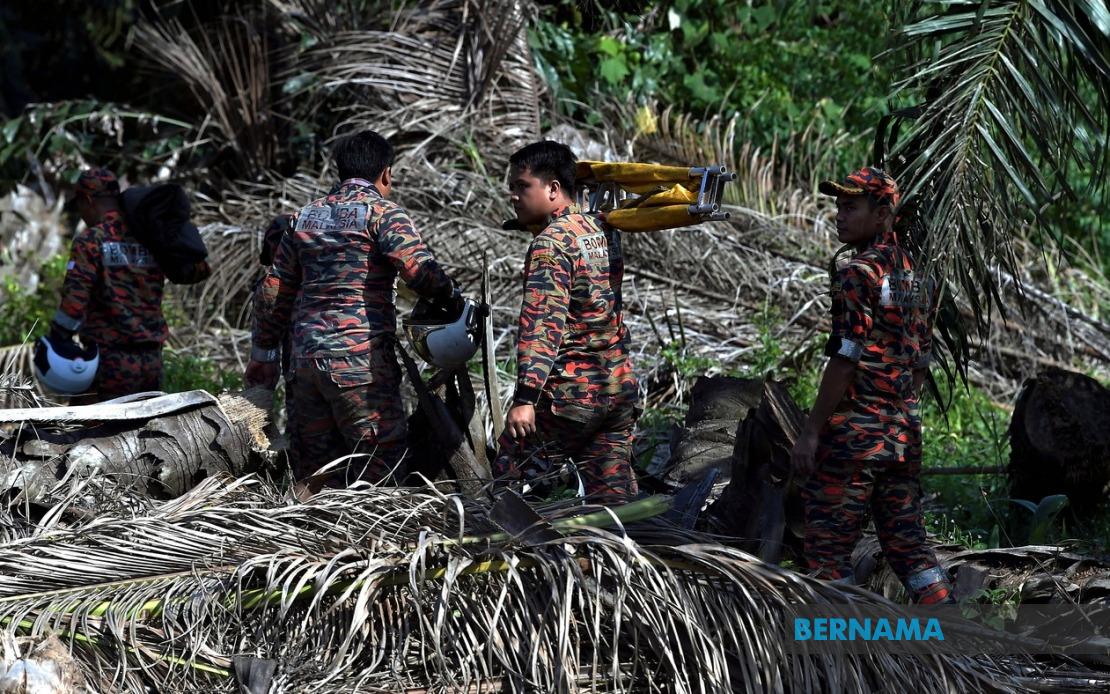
(930, 587)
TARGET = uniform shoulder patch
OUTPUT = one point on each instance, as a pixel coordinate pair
(343, 216)
(594, 249)
(903, 288)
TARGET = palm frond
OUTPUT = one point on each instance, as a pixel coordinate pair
(226, 69)
(397, 588)
(406, 587)
(1018, 97)
(438, 71)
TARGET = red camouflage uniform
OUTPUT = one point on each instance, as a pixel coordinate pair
(332, 285)
(572, 356)
(112, 296)
(869, 454)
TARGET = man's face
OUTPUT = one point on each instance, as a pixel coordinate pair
(857, 222)
(531, 197)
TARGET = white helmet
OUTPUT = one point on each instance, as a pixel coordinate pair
(63, 367)
(443, 340)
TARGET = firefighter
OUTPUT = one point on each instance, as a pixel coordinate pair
(332, 286)
(576, 395)
(111, 296)
(861, 445)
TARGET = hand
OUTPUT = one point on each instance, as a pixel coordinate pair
(261, 373)
(521, 421)
(803, 458)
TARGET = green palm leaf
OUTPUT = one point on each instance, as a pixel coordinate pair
(1019, 97)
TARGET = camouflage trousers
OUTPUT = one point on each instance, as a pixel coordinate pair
(347, 406)
(596, 437)
(124, 372)
(838, 497)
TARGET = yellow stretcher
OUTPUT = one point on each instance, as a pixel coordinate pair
(651, 197)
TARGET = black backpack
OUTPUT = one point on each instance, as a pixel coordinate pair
(158, 216)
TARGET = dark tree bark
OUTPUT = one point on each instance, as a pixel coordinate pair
(708, 435)
(759, 505)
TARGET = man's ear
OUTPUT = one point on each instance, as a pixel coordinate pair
(553, 189)
(387, 176)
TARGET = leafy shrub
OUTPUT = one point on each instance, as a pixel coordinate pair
(782, 65)
(24, 314)
(971, 433)
(183, 372)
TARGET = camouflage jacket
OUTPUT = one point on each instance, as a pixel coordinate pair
(333, 276)
(881, 319)
(573, 344)
(112, 292)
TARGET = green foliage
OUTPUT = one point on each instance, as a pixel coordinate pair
(653, 429)
(183, 372)
(67, 136)
(24, 314)
(1044, 516)
(972, 510)
(782, 65)
(685, 363)
(1017, 95)
(970, 433)
(767, 356)
(1003, 604)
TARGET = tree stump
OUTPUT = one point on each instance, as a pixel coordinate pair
(708, 436)
(1060, 440)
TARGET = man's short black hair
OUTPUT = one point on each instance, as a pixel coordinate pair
(365, 154)
(548, 161)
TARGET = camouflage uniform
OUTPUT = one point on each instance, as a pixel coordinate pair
(869, 454)
(572, 356)
(332, 285)
(112, 297)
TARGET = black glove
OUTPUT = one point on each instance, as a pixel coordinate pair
(450, 305)
(60, 335)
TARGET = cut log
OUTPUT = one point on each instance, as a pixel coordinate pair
(1060, 440)
(158, 446)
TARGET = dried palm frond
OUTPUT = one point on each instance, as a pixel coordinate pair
(772, 182)
(395, 588)
(226, 68)
(441, 72)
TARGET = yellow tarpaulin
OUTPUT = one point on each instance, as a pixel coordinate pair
(633, 177)
(651, 218)
(675, 195)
